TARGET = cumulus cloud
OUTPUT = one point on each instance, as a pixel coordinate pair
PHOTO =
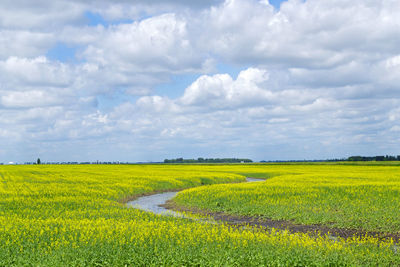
(304, 34)
(17, 72)
(157, 44)
(221, 91)
(23, 43)
(317, 78)
(29, 99)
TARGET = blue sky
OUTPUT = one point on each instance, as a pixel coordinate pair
(173, 87)
(276, 80)
(66, 53)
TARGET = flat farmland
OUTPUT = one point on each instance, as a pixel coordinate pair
(76, 215)
(345, 196)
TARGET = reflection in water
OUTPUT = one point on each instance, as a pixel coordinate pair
(152, 203)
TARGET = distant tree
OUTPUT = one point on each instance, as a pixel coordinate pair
(355, 158)
(207, 160)
(374, 158)
(38, 161)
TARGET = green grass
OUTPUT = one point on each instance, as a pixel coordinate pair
(359, 197)
(72, 216)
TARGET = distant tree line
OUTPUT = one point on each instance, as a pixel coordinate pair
(208, 160)
(374, 158)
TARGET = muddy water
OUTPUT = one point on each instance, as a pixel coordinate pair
(152, 203)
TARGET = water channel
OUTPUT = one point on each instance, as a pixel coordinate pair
(152, 203)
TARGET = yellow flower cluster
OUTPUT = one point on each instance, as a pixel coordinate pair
(347, 196)
(50, 212)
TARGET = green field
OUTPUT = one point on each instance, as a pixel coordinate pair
(75, 215)
(346, 196)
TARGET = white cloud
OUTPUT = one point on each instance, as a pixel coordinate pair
(40, 14)
(156, 104)
(303, 34)
(319, 78)
(24, 43)
(34, 72)
(221, 91)
(29, 99)
(158, 44)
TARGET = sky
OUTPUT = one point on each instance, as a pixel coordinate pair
(145, 80)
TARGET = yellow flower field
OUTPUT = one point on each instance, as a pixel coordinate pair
(73, 215)
(347, 196)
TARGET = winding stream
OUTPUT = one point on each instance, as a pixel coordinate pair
(152, 203)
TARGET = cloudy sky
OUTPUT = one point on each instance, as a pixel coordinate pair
(141, 80)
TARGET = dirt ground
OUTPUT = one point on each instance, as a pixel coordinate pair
(267, 224)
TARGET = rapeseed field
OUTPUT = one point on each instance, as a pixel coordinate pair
(346, 196)
(75, 215)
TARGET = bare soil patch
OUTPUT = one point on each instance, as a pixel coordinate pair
(267, 224)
